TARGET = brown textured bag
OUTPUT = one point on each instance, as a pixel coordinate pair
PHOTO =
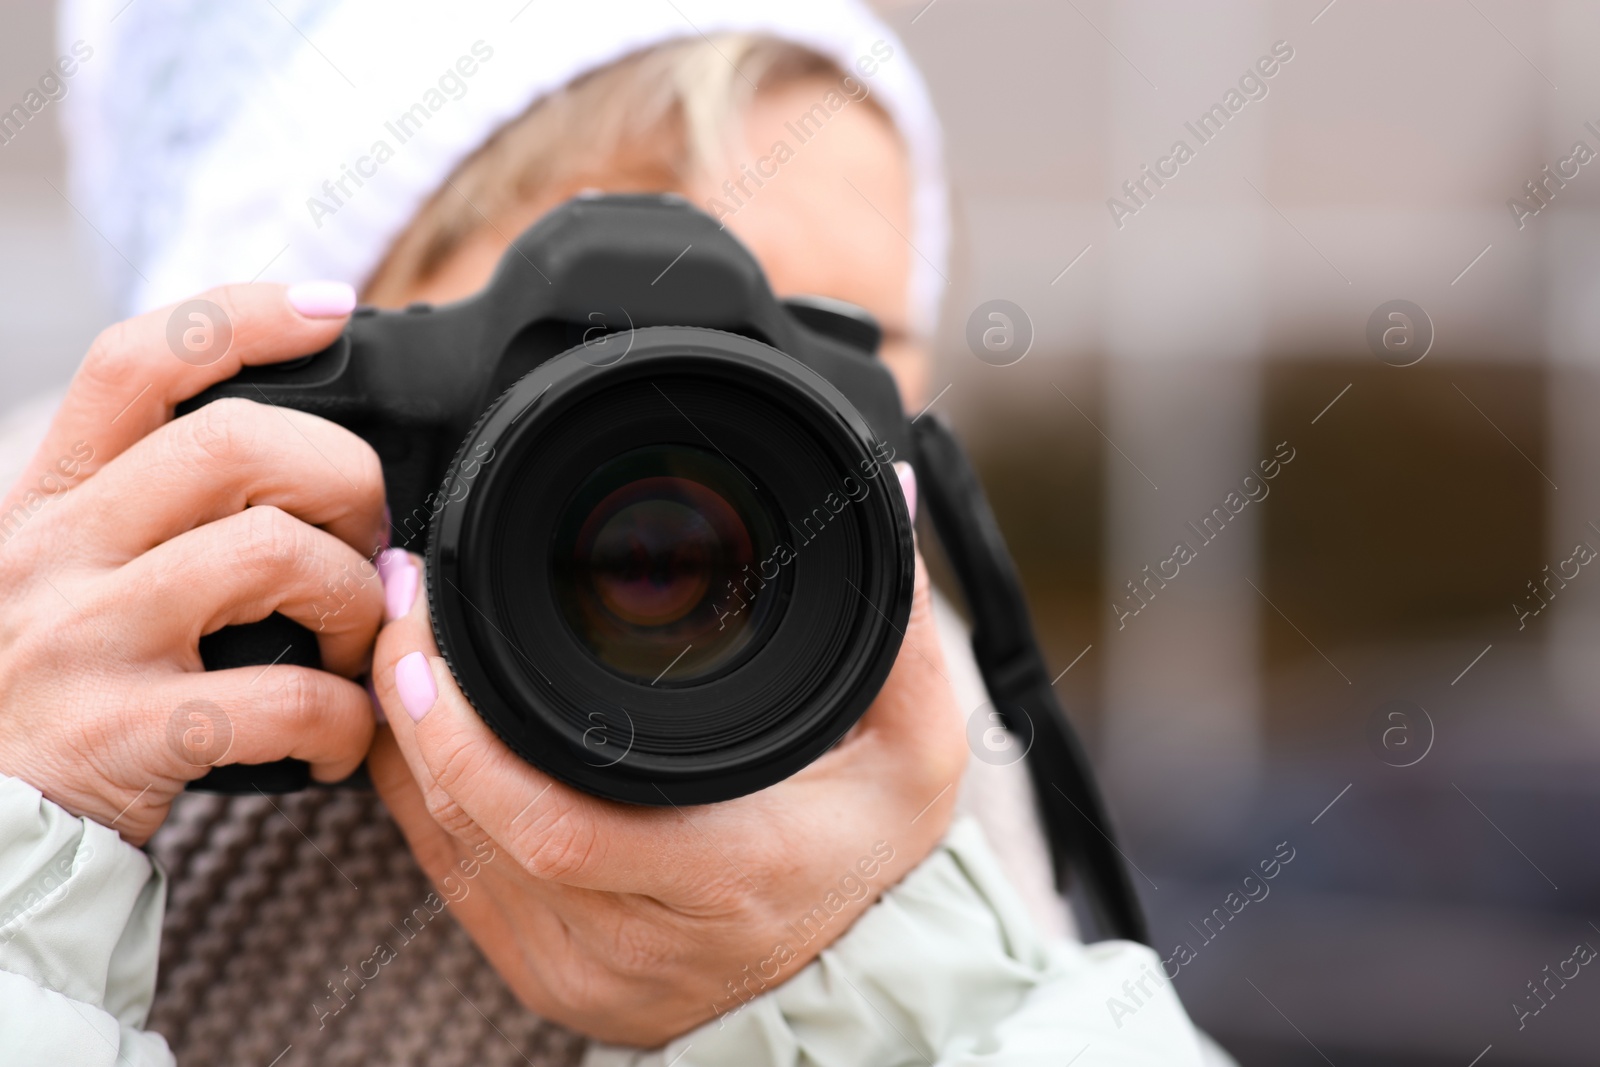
(276, 908)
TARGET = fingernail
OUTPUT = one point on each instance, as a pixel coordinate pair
(413, 680)
(908, 486)
(399, 577)
(322, 300)
(377, 705)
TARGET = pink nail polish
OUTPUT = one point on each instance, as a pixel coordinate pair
(377, 705)
(399, 577)
(413, 680)
(908, 486)
(322, 300)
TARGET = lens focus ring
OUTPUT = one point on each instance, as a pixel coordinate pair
(701, 548)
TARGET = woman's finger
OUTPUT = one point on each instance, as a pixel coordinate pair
(911, 722)
(909, 748)
(473, 783)
(262, 714)
(138, 370)
(918, 685)
(436, 849)
(244, 567)
(219, 460)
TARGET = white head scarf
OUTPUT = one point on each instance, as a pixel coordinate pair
(200, 134)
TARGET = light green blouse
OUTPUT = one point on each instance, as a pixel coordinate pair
(946, 969)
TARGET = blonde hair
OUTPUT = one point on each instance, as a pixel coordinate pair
(659, 119)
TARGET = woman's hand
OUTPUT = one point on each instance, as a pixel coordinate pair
(637, 924)
(131, 534)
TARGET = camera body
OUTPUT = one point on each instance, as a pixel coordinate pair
(667, 560)
(667, 557)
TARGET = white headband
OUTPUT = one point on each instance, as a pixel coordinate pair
(200, 134)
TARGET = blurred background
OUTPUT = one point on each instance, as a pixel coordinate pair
(1387, 664)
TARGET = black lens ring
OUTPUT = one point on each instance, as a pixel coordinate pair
(508, 678)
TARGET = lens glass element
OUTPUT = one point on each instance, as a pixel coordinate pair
(655, 565)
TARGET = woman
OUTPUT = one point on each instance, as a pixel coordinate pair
(807, 132)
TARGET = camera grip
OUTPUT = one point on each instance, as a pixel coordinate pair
(320, 383)
(275, 640)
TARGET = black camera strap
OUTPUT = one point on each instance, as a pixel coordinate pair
(1082, 840)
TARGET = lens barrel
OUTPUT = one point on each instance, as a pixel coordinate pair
(675, 578)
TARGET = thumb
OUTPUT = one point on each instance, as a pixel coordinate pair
(916, 702)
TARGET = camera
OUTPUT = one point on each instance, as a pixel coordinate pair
(668, 560)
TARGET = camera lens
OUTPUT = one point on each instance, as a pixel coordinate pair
(675, 578)
(653, 564)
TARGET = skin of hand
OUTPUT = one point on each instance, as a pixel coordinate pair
(636, 924)
(131, 534)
